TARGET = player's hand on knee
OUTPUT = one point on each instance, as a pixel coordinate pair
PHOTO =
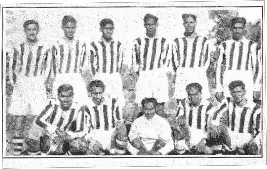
(98, 148)
(219, 96)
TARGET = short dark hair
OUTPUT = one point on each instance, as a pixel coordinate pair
(28, 22)
(149, 100)
(238, 20)
(236, 83)
(68, 18)
(184, 16)
(155, 19)
(106, 21)
(95, 83)
(64, 88)
(195, 86)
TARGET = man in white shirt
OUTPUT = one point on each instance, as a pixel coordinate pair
(150, 134)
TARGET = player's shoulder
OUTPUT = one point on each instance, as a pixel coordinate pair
(254, 106)
(160, 120)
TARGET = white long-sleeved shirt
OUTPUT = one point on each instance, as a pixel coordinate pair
(151, 130)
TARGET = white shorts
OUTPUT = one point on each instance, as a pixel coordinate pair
(152, 83)
(78, 84)
(245, 76)
(238, 139)
(196, 136)
(103, 137)
(185, 76)
(29, 96)
(113, 84)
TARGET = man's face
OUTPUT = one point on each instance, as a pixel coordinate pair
(189, 25)
(149, 110)
(31, 32)
(69, 30)
(238, 94)
(238, 31)
(194, 96)
(97, 94)
(107, 31)
(151, 27)
(65, 99)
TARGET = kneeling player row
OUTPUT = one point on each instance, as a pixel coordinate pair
(197, 127)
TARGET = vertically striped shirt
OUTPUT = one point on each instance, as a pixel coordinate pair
(68, 56)
(106, 57)
(150, 53)
(238, 55)
(27, 61)
(246, 119)
(53, 117)
(99, 117)
(191, 53)
(196, 117)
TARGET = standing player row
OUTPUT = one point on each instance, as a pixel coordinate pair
(153, 56)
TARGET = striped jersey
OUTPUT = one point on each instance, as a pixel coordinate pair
(68, 56)
(191, 53)
(238, 55)
(106, 57)
(98, 117)
(27, 61)
(150, 53)
(53, 117)
(246, 119)
(196, 117)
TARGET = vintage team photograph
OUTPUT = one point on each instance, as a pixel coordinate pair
(127, 80)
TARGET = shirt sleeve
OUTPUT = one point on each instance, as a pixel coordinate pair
(121, 56)
(132, 135)
(133, 131)
(84, 55)
(118, 111)
(136, 56)
(47, 63)
(53, 57)
(219, 70)
(41, 119)
(13, 59)
(83, 123)
(219, 113)
(257, 67)
(93, 57)
(175, 54)
(166, 135)
(210, 53)
(257, 127)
